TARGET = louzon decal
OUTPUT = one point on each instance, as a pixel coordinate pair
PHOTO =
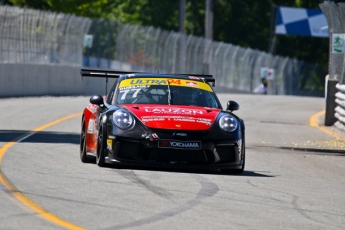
(173, 111)
(179, 144)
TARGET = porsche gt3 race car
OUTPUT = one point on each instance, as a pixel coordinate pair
(164, 120)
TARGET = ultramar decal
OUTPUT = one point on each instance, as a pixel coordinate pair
(155, 82)
(146, 82)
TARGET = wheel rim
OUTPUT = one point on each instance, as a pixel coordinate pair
(100, 139)
(82, 140)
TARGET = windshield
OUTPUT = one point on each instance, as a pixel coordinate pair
(174, 92)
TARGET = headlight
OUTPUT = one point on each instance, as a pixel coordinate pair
(228, 123)
(122, 119)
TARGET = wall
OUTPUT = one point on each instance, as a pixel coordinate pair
(17, 80)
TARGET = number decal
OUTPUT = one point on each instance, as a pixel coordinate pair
(136, 92)
(126, 91)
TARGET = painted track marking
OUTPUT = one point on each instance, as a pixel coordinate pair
(19, 195)
(313, 122)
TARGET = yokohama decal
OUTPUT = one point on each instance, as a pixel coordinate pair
(193, 145)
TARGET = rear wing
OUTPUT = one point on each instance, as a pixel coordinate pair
(116, 74)
(101, 73)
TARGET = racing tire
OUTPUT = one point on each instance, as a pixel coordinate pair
(101, 146)
(83, 156)
(241, 170)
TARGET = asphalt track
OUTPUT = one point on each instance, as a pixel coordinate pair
(294, 176)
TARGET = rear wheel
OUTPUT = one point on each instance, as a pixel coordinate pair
(83, 156)
(101, 146)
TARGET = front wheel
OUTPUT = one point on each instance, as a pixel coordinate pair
(101, 146)
(238, 171)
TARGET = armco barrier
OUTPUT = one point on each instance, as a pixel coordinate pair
(340, 109)
(19, 80)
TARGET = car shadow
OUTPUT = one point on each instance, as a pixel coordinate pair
(40, 137)
(189, 171)
(73, 138)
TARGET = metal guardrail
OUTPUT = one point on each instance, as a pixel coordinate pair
(32, 36)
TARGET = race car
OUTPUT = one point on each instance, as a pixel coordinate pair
(163, 120)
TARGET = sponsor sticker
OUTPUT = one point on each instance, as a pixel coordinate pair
(158, 110)
(156, 118)
(146, 82)
(91, 126)
(191, 83)
(109, 144)
(175, 144)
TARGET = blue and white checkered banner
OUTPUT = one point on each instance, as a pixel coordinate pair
(299, 21)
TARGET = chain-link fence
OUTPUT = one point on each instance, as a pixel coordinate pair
(143, 48)
(31, 36)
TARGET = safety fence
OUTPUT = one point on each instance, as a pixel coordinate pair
(31, 36)
(144, 48)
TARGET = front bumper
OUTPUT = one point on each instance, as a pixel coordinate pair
(215, 154)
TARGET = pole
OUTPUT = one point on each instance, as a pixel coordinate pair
(273, 36)
(209, 19)
(182, 15)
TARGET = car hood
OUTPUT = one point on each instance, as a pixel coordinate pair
(174, 117)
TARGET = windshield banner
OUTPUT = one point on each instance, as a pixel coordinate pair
(138, 82)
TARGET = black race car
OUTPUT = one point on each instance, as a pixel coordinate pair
(164, 120)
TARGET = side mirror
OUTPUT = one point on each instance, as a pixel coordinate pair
(97, 100)
(232, 106)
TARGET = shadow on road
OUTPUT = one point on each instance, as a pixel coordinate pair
(40, 137)
(73, 138)
(189, 171)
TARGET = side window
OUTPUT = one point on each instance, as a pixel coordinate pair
(211, 101)
(111, 93)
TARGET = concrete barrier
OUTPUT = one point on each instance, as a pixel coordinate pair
(19, 80)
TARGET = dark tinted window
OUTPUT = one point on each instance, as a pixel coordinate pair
(158, 94)
(111, 93)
